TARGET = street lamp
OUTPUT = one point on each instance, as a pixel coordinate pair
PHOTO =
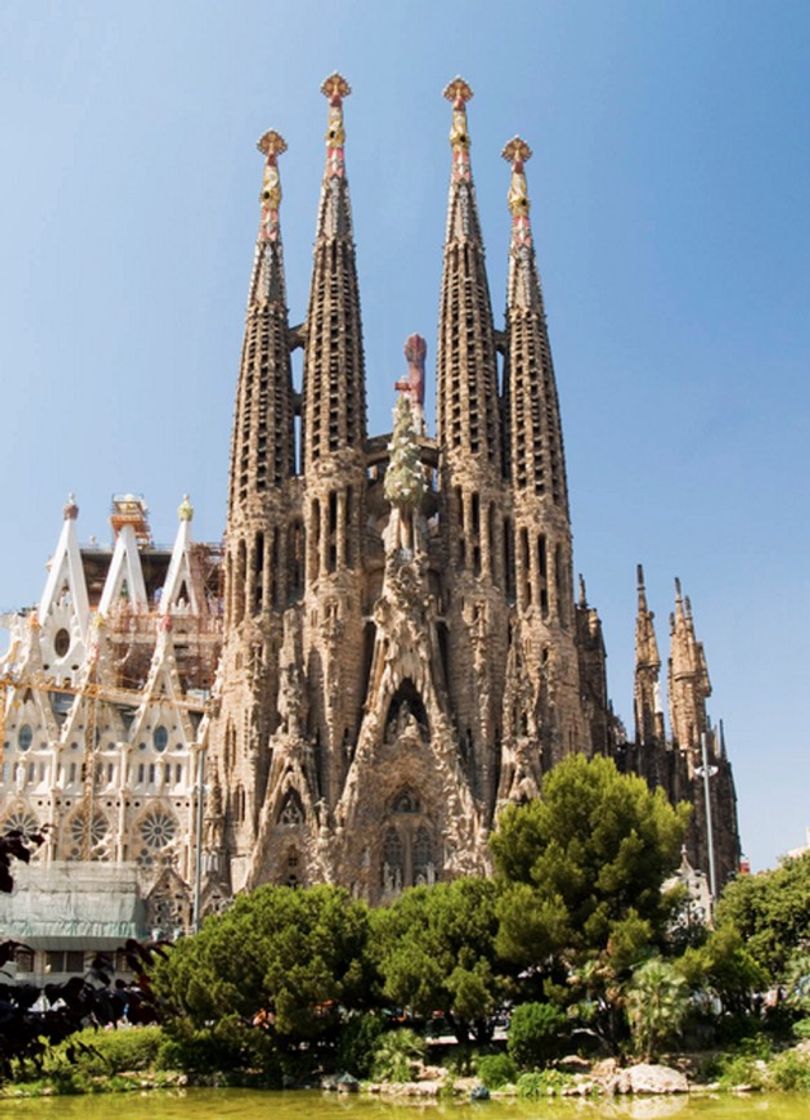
(706, 772)
(197, 916)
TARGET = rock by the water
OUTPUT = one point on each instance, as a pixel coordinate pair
(656, 1079)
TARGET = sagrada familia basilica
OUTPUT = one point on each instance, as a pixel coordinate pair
(387, 647)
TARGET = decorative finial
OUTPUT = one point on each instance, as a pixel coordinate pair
(677, 589)
(517, 152)
(272, 144)
(583, 592)
(459, 93)
(71, 510)
(185, 511)
(639, 577)
(335, 88)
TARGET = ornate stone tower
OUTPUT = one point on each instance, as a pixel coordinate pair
(688, 678)
(334, 432)
(471, 484)
(263, 536)
(649, 713)
(543, 712)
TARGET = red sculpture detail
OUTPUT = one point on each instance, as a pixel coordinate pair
(413, 386)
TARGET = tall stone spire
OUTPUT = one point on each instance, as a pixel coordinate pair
(262, 448)
(334, 433)
(649, 716)
(688, 678)
(468, 413)
(334, 379)
(259, 535)
(542, 533)
(471, 475)
(536, 452)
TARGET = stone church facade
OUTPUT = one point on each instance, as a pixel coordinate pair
(387, 648)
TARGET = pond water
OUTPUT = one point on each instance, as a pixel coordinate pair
(240, 1104)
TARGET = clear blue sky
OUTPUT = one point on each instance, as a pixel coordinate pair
(670, 189)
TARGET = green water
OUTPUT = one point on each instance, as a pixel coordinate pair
(238, 1104)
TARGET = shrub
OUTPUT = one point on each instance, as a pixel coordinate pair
(742, 1067)
(790, 1071)
(226, 1046)
(547, 1083)
(358, 1041)
(99, 1053)
(496, 1070)
(801, 1028)
(396, 1054)
(460, 1060)
(535, 1034)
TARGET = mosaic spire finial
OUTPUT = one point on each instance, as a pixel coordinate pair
(458, 92)
(517, 152)
(335, 88)
(271, 145)
(71, 510)
(185, 511)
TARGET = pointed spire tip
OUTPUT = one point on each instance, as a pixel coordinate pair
(640, 576)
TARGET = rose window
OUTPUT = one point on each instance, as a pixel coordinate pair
(99, 828)
(21, 821)
(88, 839)
(158, 829)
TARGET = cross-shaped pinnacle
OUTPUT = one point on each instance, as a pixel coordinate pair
(458, 91)
(272, 143)
(516, 151)
(335, 87)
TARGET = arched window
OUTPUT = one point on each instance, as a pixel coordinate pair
(424, 869)
(392, 862)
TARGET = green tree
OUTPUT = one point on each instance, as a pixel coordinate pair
(583, 860)
(286, 959)
(724, 966)
(435, 949)
(771, 910)
(657, 1005)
